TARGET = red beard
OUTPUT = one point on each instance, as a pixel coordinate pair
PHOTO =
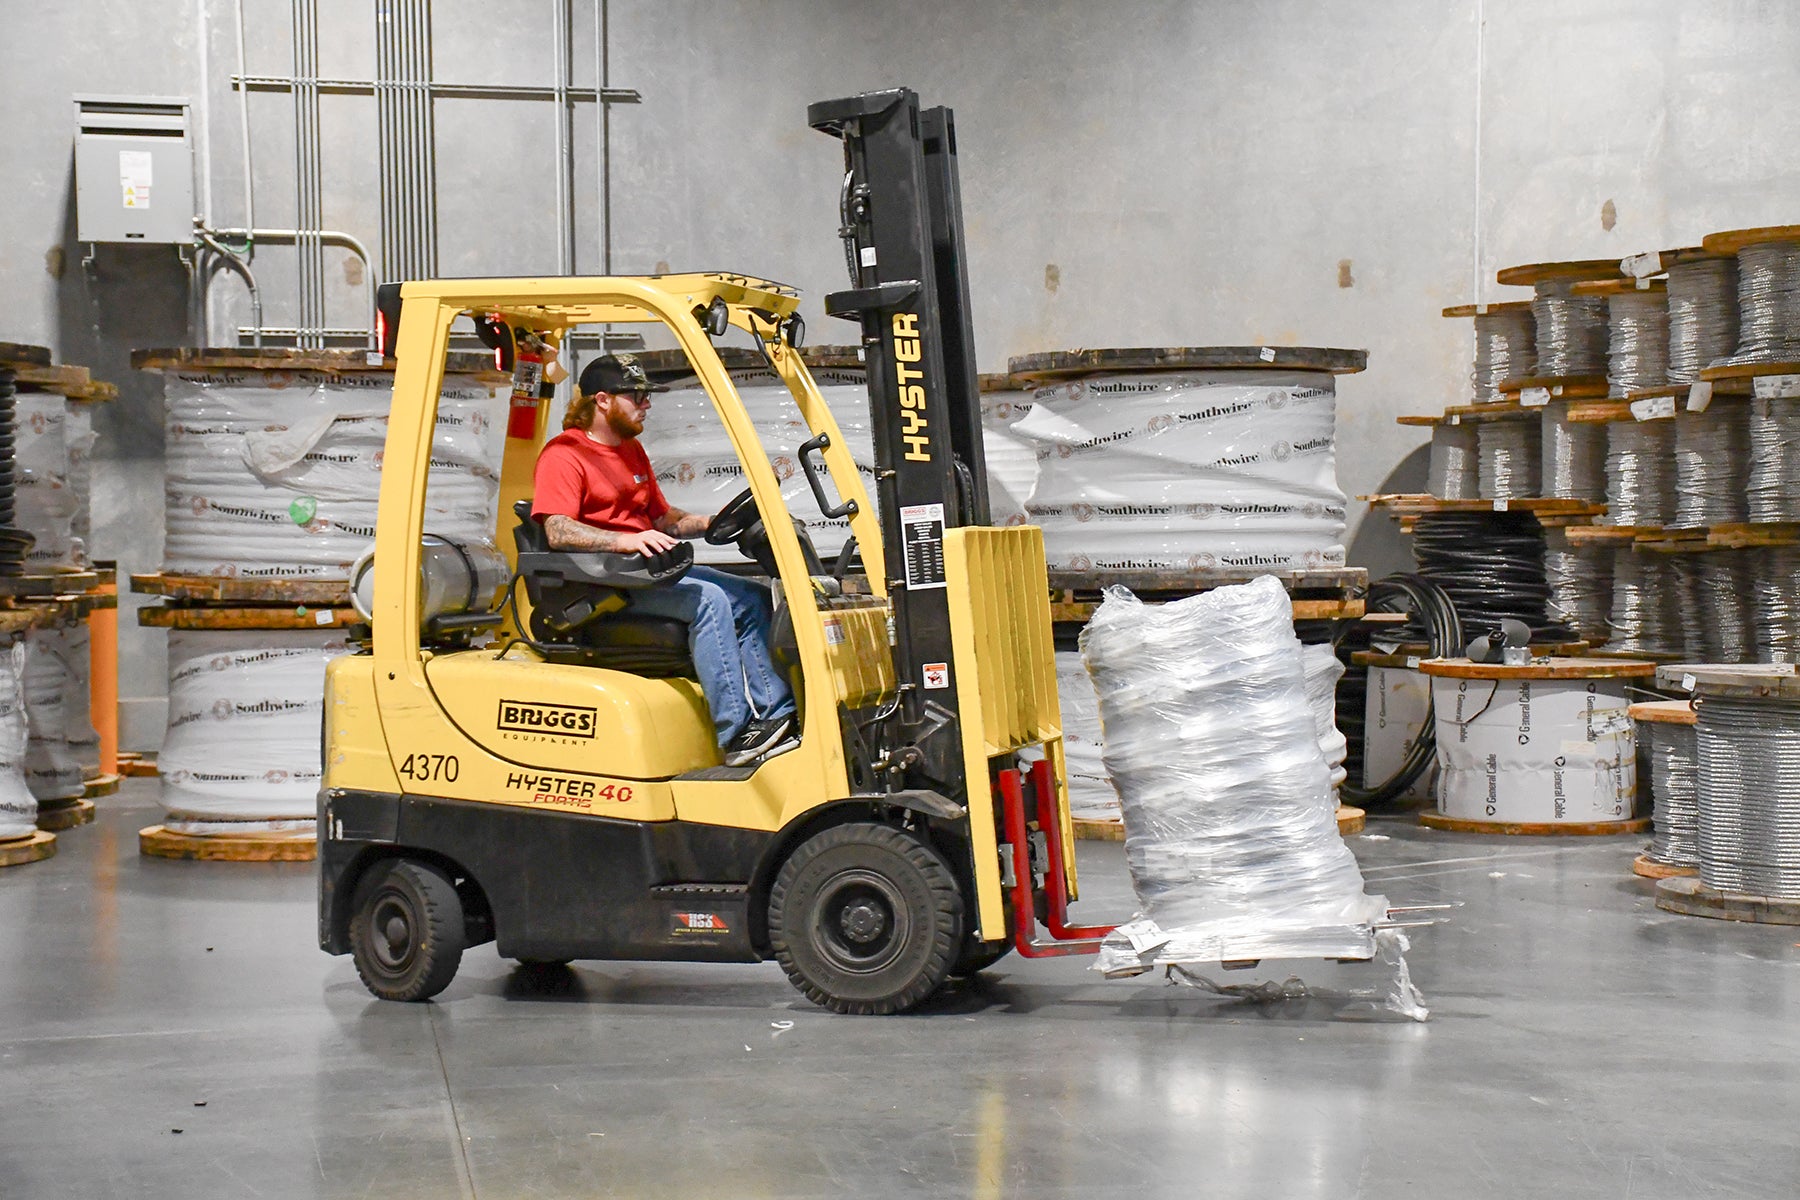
(624, 426)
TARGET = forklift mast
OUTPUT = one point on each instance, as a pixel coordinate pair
(901, 222)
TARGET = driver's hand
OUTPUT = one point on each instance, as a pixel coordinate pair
(649, 542)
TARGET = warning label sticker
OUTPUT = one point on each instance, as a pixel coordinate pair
(922, 532)
(135, 176)
(936, 675)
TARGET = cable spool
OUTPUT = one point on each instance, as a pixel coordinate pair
(1455, 473)
(1644, 617)
(14, 542)
(1571, 330)
(1703, 315)
(1580, 579)
(1684, 574)
(1768, 302)
(1749, 777)
(1712, 465)
(1722, 611)
(1492, 566)
(1508, 460)
(1505, 348)
(1674, 785)
(1776, 597)
(1640, 472)
(1774, 482)
(1432, 616)
(1574, 456)
(1637, 346)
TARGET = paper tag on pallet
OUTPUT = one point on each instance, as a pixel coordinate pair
(1699, 396)
(1654, 408)
(1642, 266)
(1267, 354)
(1688, 682)
(1776, 387)
(1500, 505)
(1143, 935)
(1534, 397)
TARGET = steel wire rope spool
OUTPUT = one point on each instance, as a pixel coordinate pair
(1571, 330)
(1580, 579)
(1774, 477)
(1454, 472)
(1640, 472)
(1674, 770)
(1505, 348)
(1644, 593)
(1723, 585)
(1509, 460)
(1637, 346)
(14, 542)
(1491, 564)
(1776, 604)
(1749, 795)
(1574, 456)
(1703, 315)
(1433, 617)
(1683, 571)
(1712, 465)
(1768, 303)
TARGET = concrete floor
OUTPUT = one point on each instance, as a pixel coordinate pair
(1582, 1044)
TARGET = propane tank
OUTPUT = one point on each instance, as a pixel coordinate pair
(454, 577)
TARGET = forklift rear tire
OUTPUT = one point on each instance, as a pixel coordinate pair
(865, 919)
(406, 930)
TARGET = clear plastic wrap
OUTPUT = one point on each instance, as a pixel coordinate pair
(242, 747)
(18, 807)
(1187, 471)
(78, 433)
(45, 502)
(1091, 793)
(1230, 827)
(276, 473)
(698, 470)
(56, 712)
(1323, 670)
(1012, 466)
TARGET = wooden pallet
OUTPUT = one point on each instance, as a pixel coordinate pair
(45, 584)
(1432, 820)
(1321, 594)
(272, 358)
(1070, 364)
(1685, 894)
(1418, 504)
(175, 616)
(1535, 391)
(137, 766)
(16, 852)
(220, 589)
(157, 842)
(54, 816)
(1748, 536)
(1349, 821)
(15, 356)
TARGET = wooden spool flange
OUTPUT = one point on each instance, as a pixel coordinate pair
(1069, 364)
(54, 816)
(158, 842)
(15, 852)
(1349, 821)
(1438, 821)
(1543, 668)
(100, 785)
(1687, 895)
(1650, 868)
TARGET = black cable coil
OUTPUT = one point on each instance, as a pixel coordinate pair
(1492, 566)
(1433, 615)
(14, 543)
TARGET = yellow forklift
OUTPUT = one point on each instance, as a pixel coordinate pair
(559, 791)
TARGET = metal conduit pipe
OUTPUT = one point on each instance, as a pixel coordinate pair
(327, 237)
(232, 261)
(244, 135)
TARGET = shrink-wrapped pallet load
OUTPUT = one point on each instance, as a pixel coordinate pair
(18, 807)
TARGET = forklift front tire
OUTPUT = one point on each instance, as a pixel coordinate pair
(865, 919)
(406, 930)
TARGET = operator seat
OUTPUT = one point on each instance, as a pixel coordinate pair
(581, 604)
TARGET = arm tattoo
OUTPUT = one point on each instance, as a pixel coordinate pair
(566, 533)
(681, 524)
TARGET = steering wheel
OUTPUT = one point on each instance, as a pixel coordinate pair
(738, 515)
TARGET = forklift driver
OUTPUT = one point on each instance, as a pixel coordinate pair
(594, 490)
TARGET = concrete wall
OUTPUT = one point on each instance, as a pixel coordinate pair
(1135, 173)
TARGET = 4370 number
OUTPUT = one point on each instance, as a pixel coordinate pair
(430, 768)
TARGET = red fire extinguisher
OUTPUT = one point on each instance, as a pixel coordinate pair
(528, 387)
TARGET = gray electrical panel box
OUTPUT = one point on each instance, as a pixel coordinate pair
(134, 170)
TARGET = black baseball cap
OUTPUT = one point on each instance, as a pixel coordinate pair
(615, 373)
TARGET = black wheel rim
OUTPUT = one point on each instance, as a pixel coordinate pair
(860, 922)
(393, 933)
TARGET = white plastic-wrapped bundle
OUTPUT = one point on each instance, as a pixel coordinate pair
(1091, 794)
(698, 470)
(45, 502)
(78, 435)
(1012, 466)
(242, 748)
(276, 473)
(1323, 670)
(1230, 823)
(18, 807)
(1187, 471)
(56, 709)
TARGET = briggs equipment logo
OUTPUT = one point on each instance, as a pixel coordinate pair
(530, 716)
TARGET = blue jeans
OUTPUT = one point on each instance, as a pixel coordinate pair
(728, 633)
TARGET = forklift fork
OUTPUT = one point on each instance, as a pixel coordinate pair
(1065, 939)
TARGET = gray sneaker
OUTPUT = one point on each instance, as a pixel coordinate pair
(763, 736)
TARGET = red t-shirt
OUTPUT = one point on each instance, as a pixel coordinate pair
(608, 487)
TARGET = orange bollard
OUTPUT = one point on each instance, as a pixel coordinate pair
(103, 669)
